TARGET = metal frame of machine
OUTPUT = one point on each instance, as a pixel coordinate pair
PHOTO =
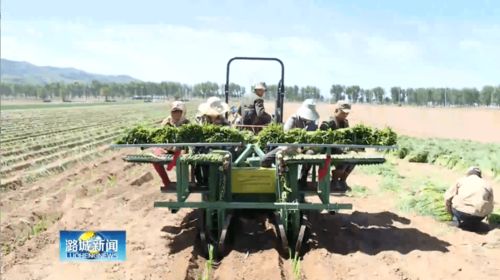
(236, 181)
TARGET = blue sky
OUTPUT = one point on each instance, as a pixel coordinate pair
(368, 43)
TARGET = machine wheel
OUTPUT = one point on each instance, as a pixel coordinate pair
(202, 236)
(222, 241)
(280, 230)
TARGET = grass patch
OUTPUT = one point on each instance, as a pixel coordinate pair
(386, 169)
(453, 154)
(390, 184)
(426, 199)
(358, 191)
(494, 218)
(296, 265)
(207, 272)
(391, 180)
(39, 227)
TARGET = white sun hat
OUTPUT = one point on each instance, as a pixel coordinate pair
(214, 106)
(308, 110)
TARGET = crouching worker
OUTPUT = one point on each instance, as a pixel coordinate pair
(470, 200)
(305, 118)
(341, 171)
(177, 118)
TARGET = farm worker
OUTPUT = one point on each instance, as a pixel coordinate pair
(237, 120)
(470, 200)
(177, 115)
(177, 118)
(253, 112)
(213, 112)
(338, 121)
(306, 118)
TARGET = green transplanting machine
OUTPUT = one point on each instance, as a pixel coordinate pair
(234, 182)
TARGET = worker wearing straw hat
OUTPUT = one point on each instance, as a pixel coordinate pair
(210, 112)
(213, 111)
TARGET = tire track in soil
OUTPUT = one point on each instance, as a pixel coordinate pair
(253, 252)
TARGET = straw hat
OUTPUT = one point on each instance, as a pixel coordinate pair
(343, 106)
(260, 85)
(214, 106)
(308, 110)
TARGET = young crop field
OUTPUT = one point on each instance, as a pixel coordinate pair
(453, 154)
(44, 140)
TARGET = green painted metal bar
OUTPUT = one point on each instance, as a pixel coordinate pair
(354, 146)
(213, 182)
(248, 151)
(166, 145)
(293, 171)
(182, 180)
(258, 151)
(254, 205)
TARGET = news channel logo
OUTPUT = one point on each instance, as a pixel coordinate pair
(92, 246)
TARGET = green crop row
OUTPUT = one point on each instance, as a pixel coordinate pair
(194, 133)
(453, 154)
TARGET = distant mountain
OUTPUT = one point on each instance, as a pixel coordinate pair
(21, 72)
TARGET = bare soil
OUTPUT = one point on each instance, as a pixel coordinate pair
(477, 124)
(374, 241)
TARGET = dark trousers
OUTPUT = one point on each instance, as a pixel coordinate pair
(269, 158)
(466, 220)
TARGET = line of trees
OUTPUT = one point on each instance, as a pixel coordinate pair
(110, 91)
(488, 95)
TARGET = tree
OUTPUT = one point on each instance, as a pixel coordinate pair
(471, 96)
(379, 94)
(353, 93)
(368, 95)
(487, 95)
(396, 95)
(437, 96)
(336, 92)
(206, 89)
(495, 97)
(236, 90)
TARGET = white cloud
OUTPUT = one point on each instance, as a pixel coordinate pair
(392, 50)
(156, 52)
(472, 45)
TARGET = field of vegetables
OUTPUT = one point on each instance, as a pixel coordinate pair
(45, 140)
(454, 154)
